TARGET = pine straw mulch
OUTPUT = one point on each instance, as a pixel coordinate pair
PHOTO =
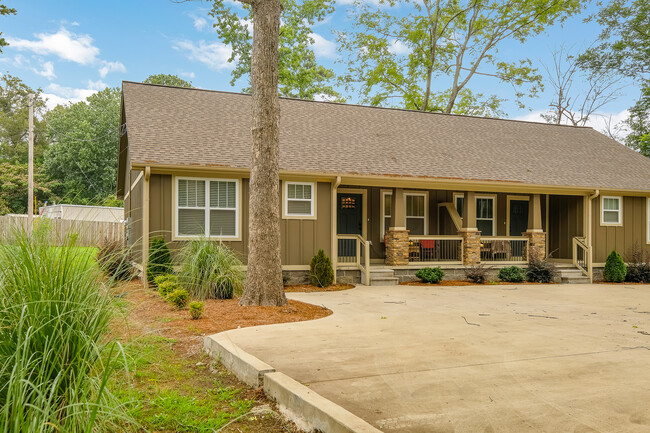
(309, 288)
(465, 283)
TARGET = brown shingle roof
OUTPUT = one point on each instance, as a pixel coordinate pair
(177, 126)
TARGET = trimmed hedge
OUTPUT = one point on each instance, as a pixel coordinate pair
(320, 270)
(430, 275)
(615, 270)
(512, 274)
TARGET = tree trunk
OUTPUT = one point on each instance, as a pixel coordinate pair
(264, 276)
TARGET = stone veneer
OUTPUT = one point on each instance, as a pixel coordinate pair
(471, 246)
(536, 244)
(397, 247)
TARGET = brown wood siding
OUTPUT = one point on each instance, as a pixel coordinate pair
(134, 212)
(620, 238)
(566, 220)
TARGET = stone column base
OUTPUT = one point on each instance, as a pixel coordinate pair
(397, 247)
(471, 246)
(536, 245)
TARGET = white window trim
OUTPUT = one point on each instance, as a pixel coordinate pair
(285, 201)
(426, 210)
(456, 195)
(494, 213)
(382, 204)
(620, 211)
(207, 208)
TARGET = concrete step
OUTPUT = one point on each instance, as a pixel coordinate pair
(383, 281)
(571, 273)
(575, 280)
(382, 273)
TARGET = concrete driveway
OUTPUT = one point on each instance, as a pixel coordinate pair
(557, 358)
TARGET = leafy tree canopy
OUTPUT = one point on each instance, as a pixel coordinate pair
(167, 80)
(398, 50)
(13, 187)
(300, 75)
(4, 10)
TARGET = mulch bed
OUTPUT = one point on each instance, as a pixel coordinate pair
(308, 288)
(463, 283)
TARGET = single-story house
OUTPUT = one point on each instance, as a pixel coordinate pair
(381, 189)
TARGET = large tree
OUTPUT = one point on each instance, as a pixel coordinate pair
(167, 80)
(300, 75)
(5, 10)
(83, 155)
(13, 188)
(422, 54)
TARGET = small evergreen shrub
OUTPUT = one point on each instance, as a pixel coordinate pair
(178, 298)
(512, 274)
(196, 310)
(113, 260)
(164, 278)
(320, 270)
(540, 271)
(430, 275)
(160, 259)
(167, 287)
(615, 270)
(477, 274)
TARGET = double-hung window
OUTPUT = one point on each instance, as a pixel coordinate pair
(299, 199)
(485, 215)
(611, 211)
(207, 207)
(416, 213)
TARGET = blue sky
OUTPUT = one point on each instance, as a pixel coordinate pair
(72, 48)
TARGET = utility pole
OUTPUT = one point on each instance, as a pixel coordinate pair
(30, 169)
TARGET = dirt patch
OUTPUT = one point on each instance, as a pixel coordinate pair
(308, 288)
(464, 283)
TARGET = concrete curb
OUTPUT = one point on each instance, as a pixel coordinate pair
(309, 410)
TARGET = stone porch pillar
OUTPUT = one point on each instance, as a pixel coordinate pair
(535, 232)
(397, 237)
(471, 235)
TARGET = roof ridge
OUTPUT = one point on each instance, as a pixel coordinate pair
(362, 106)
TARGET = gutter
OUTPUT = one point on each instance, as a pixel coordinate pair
(590, 207)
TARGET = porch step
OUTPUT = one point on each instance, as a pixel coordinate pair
(383, 277)
(572, 276)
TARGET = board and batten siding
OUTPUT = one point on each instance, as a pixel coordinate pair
(566, 221)
(621, 238)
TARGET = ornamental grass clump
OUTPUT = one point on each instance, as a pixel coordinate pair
(210, 270)
(113, 260)
(512, 274)
(320, 270)
(56, 355)
(615, 269)
(430, 275)
(160, 259)
(196, 310)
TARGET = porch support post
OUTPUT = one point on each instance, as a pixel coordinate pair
(469, 232)
(145, 224)
(535, 232)
(334, 218)
(397, 237)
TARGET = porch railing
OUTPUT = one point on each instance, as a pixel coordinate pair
(581, 255)
(354, 250)
(508, 249)
(438, 249)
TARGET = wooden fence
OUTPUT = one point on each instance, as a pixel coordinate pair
(89, 233)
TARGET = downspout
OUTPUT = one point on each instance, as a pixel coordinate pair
(589, 234)
(145, 223)
(335, 244)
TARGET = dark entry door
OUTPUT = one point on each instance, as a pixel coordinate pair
(518, 217)
(349, 217)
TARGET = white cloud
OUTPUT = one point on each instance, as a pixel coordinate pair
(61, 95)
(111, 67)
(323, 47)
(97, 85)
(351, 2)
(64, 44)
(48, 71)
(190, 75)
(200, 23)
(214, 55)
(399, 48)
(598, 121)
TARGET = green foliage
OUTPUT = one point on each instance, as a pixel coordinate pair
(639, 122)
(422, 55)
(540, 271)
(13, 188)
(83, 155)
(638, 268)
(56, 354)
(196, 310)
(615, 269)
(167, 80)
(158, 280)
(178, 298)
(4, 10)
(476, 274)
(320, 270)
(430, 275)
(210, 269)
(300, 75)
(160, 259)
(113, 260)
(512, 274)
(167, 287)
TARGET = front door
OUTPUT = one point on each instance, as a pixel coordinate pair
(349, 221)
(518, 217)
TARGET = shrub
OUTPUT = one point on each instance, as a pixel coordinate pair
(476, 274)
(166, 287)
(160, 259)
(113, 260)
(56, 353)
(320, 270)
(430, 275)
(638, 269)
(164, 278)
(178, 298)
(196, 310)
(210, 270)
(614, 268)
(512, 274)
(540, 271)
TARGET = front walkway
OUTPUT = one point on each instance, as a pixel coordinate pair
(557, 358)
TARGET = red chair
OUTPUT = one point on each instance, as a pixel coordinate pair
(428, 247)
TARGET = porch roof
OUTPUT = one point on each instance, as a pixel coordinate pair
(200, 128)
